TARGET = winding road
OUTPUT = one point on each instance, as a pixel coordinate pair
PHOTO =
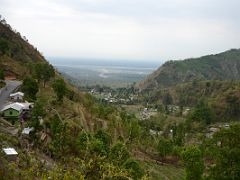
(7, 90)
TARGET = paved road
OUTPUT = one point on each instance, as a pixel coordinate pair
(7, 90)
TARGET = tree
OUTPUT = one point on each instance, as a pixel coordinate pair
(167, 99)
(178, 134)
(119, 153)
(1, 74)
(30, 88)
(225, 148)
(165, 147)
(37, 112)
(134, 129)
(38, 71)
(193, 161)
(202, 113)
(48, 73)
(233, 102)
(4, 47)
(58, 131)
(60, 89)
(43, 72)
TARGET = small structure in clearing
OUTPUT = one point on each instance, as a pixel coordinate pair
(11, 153)
(18, 96)
(12, 110)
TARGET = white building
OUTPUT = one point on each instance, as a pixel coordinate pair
(18, 96)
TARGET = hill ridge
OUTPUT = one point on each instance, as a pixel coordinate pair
(222, 66)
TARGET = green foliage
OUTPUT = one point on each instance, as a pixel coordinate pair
(37, 112)
(167, 99)
(193, 161)
(43, 72)
(58, 130)
(30, 88)
(60, 89)
(83, 141)
(225, 150)
(1, 74)
(165, 147)
(134, 129)
(4, 46)
(202, 113)
(210, 67)
(119, 153)
(134, 169)
(98, 147)
(104, 137)
(233, 102)
(179, 134)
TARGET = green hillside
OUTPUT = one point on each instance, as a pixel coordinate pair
(77, 136)
(223, 66)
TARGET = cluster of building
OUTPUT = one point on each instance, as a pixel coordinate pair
(16, 108)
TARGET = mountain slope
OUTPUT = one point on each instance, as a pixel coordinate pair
(223, 66)
(15, 52)
(76, 135)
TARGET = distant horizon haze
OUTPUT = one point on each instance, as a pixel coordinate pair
(153, 30)
(105, 62)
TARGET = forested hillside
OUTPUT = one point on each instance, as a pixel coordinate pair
(192, 126)
(223, 66)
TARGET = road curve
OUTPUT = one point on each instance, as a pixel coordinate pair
(7, 90)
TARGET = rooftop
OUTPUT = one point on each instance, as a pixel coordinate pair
(17, 93)
(16, 106)
(10, 151)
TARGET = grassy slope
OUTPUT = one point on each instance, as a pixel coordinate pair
(164, 172)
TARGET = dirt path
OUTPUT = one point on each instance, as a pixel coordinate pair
(7, 128)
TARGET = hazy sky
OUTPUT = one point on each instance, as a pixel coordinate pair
(126, 29)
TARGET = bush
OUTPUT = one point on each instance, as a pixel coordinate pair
(134, 169)
(119, 153)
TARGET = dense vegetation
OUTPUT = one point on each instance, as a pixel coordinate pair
(223, 66)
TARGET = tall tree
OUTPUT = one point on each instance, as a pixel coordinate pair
(1, 74)
(60, 89)
(193, 161)
(202, 113)
(165, 147)
(48, 73)
(30, 88)
(43, 72)
(225, 149)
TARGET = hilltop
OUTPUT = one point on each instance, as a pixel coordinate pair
(223, 66)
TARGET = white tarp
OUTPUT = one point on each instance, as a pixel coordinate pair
(10, 151)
